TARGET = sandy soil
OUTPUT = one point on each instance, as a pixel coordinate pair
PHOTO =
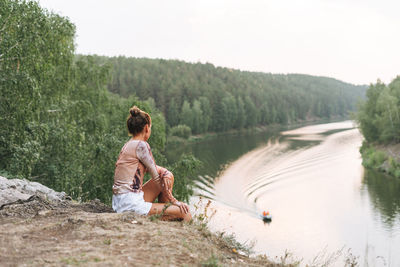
(37, 233)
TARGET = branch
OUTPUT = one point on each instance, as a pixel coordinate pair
(12, 47)
(2, 59)
(4, 26)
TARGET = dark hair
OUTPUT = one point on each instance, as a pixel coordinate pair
(137, 120)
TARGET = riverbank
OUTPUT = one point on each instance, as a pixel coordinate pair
(384, 158)
(175, 140)
(37, 230)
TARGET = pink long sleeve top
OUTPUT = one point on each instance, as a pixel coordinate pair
(134, 160)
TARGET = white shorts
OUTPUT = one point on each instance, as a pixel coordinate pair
(131, 202)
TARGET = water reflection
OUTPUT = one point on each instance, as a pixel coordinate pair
(310, 179)
(218, 152)
(384, 192)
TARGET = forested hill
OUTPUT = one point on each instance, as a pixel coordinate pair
(209, 98)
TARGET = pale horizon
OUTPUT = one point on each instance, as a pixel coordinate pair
(353, 41)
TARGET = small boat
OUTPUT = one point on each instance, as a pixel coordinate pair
(266, 216)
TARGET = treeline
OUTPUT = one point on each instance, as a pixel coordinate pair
(379, 121)
(59, 124)
(208, 98)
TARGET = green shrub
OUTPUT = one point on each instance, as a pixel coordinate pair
(378, 158)
(372, 158)
(211, 262)
(394, 167)
(184, 170)
(181, 130)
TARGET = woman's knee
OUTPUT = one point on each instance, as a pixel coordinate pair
(160, 169)
(166, 174)
(169, 175)
(187, 216)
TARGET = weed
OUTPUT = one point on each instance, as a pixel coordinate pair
(324, 258)
(156, 217)
(211, 262)
(332, 259)
(203, 217)
(350, 259)
(185, 244)
(201, 220)
(73, 261)
(229, 241)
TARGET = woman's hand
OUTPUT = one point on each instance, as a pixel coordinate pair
(182, 206)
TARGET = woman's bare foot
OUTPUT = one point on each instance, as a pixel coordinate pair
(169, 212)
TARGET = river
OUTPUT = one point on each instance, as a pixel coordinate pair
(326, 208)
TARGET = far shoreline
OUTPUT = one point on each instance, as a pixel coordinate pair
(175, 140)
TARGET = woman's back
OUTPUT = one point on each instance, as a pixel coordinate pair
(127, 168)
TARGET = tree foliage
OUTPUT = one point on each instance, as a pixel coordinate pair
(230, 99)
(59, 124)
(379, 115)
(181, 131)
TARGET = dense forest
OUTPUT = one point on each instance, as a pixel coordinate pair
(208, 98)
(59, 124)
(379, 122)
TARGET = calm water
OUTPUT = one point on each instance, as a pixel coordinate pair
(325, 206)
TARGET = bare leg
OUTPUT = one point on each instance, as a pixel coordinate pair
(171, 212)
(170, 177)
(152, 189)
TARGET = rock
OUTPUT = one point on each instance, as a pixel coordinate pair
(44, 212)
(11, 195)
(25, 199)
(12, 190)
(385, 166)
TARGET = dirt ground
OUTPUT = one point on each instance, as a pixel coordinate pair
(40, 233)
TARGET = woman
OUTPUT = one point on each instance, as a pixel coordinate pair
(134, 160)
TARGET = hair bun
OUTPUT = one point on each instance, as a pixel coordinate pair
(137, 120)
(135, 111)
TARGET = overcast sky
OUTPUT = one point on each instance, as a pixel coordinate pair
(357, 41)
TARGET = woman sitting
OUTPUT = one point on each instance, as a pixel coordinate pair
(134, 160)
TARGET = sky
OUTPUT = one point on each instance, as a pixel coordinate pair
(356, 41)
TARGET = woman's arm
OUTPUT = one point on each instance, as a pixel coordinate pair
(143, 153)
(167, 178)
